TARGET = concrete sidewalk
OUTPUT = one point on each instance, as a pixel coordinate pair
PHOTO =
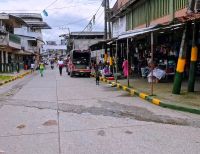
(13, 76)
(189, 102)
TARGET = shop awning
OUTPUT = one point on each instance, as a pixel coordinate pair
(136, 32)
(97, 46)
(22, 52)
(133, 33)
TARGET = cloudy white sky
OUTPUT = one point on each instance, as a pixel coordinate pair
(63, 14)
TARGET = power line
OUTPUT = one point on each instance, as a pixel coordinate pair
(51, 4)
(34, 10)
(56, 8)
(96, 25)
(89, 24)
(92, 18)
(74, 22)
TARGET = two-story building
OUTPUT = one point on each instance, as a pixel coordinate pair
(20, 40)
(10, 43)
(153, 30)
(31, 36)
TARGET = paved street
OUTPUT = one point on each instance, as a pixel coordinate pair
(58, 114)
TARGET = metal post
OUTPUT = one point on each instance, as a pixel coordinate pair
(152, 52)
(96, 57)
(116, 61)
(121, 50)
(193, 59)
(128, 62)
(3, 62)
(180, 68)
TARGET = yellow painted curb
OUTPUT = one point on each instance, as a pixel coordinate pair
(124, 88)
(118, 85)
(15, 78)
(143, 95)
(132, 92)
(113, 84)
(156, 101)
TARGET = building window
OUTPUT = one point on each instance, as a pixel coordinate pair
(150, 10)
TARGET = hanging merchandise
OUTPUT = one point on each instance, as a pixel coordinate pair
(105, 57)
(111, 61)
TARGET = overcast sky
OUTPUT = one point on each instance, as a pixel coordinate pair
(63, 14)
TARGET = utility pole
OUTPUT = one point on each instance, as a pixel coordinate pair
(108, 18)
(105, 19)
(105, 30)
(181, 61)
(193, 59)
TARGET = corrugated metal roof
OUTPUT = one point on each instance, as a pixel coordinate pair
(134, 33)
(34, 24)
(86, 33)
(15, 17)
(28, 15)
(40, 25)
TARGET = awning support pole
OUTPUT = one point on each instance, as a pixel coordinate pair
(193, 59)
(152, 63)
(128, 62)
(116, 61)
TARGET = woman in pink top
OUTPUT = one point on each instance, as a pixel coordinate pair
(125, 67)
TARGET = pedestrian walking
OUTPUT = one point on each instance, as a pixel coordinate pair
(125, 68)
(97, 72)
(52, 64)
(60, 65)
(41, 67)
(32, 67)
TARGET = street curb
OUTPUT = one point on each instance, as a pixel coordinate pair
(151, 99)
(15, 78)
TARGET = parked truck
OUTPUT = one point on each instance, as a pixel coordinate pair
(79, 63)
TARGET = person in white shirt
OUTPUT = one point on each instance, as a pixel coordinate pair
(32, 67)
(60, 65)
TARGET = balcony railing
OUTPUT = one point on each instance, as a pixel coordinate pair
(24, 32)
(14, 38)
(10, 67)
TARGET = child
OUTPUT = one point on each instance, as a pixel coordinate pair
(97, 75)
(32, 67)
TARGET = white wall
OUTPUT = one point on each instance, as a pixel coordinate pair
(119, 26)
(25, 32)
(83, 44)
(53, 47)
(98, 54)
